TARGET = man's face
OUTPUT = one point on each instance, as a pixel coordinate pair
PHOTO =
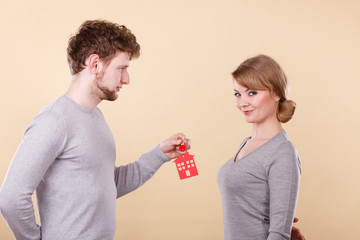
(113, 76)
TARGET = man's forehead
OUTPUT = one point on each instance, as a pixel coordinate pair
(122, 58)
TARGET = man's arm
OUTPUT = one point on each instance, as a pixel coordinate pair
(43, 141)
(133, 175)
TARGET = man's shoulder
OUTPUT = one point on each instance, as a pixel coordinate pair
(67, 112)
(58, 106)
(50, 115)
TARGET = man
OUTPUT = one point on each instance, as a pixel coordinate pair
(68, 153)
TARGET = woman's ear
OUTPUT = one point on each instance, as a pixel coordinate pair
(93, 63)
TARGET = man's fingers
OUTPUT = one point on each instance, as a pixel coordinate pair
(177, 139)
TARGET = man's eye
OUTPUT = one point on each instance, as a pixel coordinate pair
(237, 94)
(251, 93)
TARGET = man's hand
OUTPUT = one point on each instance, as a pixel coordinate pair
(171, 145)
(295, 232)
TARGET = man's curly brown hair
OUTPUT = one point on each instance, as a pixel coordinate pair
(99, 37)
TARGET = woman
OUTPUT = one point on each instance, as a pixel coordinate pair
(259, 184)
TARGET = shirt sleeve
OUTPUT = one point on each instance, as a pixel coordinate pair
(284, 178)
(131, 176)
(43, 141)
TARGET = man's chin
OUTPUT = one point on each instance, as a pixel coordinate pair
(113, 97)
(110, 97)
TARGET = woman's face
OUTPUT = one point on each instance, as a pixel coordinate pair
(258, 106)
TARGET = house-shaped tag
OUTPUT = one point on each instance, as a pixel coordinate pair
(186, 166)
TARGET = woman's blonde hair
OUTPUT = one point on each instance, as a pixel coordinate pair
(264, 73)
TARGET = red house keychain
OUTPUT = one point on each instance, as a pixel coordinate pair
(185, 163)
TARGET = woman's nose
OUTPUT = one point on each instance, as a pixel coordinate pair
(242, 102)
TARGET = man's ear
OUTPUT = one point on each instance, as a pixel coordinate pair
(93, 63)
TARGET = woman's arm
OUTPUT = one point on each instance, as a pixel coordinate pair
(284, 179)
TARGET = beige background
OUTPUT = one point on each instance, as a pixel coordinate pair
(182, 82)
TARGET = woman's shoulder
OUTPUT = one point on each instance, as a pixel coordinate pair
(282, 148)
(282, 140)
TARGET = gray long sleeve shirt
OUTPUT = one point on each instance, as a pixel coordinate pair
(259, 191)
(67, 156)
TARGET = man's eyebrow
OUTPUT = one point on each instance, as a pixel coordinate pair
(122, 66)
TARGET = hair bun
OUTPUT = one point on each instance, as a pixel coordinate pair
(286, 110)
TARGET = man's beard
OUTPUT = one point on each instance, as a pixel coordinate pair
(103, 92)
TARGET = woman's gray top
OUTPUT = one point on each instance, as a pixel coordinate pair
(259, 191)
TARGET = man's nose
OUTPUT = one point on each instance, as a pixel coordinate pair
(125, 78)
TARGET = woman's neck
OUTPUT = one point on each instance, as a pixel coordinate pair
(265, 131)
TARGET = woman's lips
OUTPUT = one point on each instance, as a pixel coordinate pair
(247, 112)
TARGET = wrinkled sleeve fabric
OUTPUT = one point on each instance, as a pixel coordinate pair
(283, 179)
(43, 141)
(131, 176)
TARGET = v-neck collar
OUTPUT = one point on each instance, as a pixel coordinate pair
(256, 149)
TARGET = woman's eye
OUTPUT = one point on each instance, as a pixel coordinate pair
(251, 93)
(237, 94)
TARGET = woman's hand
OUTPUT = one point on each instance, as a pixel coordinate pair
(295, 232)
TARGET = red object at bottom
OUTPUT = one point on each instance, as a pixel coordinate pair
(186, 166)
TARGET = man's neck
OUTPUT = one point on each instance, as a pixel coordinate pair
(80, 91)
